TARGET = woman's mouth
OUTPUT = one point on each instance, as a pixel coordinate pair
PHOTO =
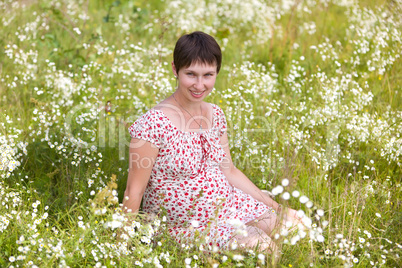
(197, 94)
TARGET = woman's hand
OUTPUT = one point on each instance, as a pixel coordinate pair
(292, 220)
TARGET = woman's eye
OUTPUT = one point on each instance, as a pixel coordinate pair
(191, 74)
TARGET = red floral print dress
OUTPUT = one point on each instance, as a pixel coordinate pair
(187, 183)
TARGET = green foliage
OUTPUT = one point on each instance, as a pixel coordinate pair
(310, 89)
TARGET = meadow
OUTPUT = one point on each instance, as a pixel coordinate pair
(312, 95)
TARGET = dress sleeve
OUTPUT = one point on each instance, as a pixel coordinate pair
(221, 121)
(147, 128)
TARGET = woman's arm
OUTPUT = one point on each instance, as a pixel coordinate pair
(142, 156)
(237, 179)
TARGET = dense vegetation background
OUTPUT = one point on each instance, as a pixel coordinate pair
(311, 91)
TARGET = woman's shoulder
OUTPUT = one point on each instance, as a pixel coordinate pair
(151, 126)
(217, 110)
(152, 115)
(219, 119)
(151, 119)
(165, 108)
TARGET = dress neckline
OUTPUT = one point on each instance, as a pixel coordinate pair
(190, 132)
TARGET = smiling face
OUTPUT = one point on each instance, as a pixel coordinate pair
(196, 81)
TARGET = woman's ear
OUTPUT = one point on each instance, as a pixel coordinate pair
(174, 70)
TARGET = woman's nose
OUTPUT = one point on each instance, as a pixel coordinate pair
(199, 84)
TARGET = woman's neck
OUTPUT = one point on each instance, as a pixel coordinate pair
(194, 108)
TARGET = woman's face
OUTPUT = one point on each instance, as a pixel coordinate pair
(196, 81)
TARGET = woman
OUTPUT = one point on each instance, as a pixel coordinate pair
(180, 160)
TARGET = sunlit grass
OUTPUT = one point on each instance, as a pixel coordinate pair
(316, 86)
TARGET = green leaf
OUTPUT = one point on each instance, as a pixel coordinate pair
(50, 36)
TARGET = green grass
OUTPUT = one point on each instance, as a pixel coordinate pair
(316, 114)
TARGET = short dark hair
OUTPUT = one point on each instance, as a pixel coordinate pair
(197, 47)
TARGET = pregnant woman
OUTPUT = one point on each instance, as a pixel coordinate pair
(180, 161)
